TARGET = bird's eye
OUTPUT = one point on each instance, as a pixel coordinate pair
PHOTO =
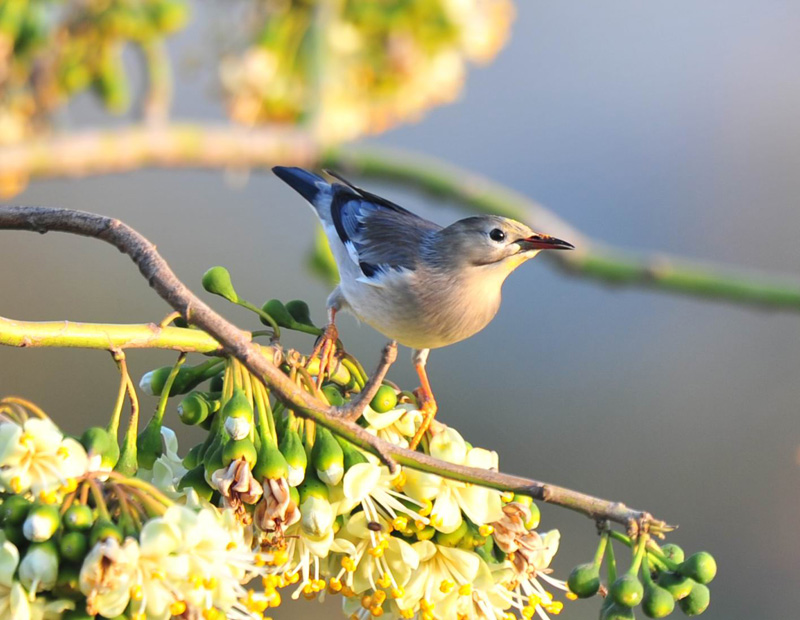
(497, 235)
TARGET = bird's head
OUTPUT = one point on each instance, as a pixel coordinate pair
(491, 240)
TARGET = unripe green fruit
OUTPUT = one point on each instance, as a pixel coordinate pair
(13, 510)
(627, 590)
(657, 602)
(195, 479)
(299, 311)
(584, 580)
(148, 444)
(673, 552)
(327, 457)
(312, 487)
(78, 517)
(97, 440)
(193, 409)
(453, 538)
(352, 456)
(238, 406)
(697, 601)
(699, 566)
(192, 458)
(385, 399)
(239, 449)
(217, 383)
(217, 281)
(677, 585)
(271, 464)
(41, 523)
(278, 312)
(73, 546)
(333, 395)
(102, 529)
(292, 449)
(616, 612)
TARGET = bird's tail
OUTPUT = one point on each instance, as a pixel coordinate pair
(305, 183)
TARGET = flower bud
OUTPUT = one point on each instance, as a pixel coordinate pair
(296, 459)
(278, 312)
(195, 479)
(584, 580)
(697, 601)
(271, 464)
(676, 584)
(317, 515)
(78, 517)
(100, 445)
(14, 510)
(352, 455)
(312, 487)
(238, 428)
(193, 409)
(148, 445)
(699, 566)
(613, 611)
(41, 523)
(385, 399)
(102, 529)
(239, 449)
(657, 602)
(627, 591)
(192, 458)
(38, 570)
(238, 407)
(673, 552)
(453, 538)
(327, 457)
(217, 281)
(73, 546)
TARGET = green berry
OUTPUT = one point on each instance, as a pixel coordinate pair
(699, 566)
(217, 281)
(78, 517)
(13, 510)
(616, 612)
(193, 409)
(657, 602)
(271, 464)
(673, 552)
(239, 449)
(333, 395)
(385, 399)
(41, 523)
(677, 585)
(192, 458)
(102, 529)
(328, 457)
(195, 479)
(627, 591)
(73, 546)
(697, 601)
(584, 580)
(299, 311)
(278, 312)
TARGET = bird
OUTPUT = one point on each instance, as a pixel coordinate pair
(420, 284)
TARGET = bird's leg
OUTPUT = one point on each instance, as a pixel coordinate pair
(325, 348)
(427, 404)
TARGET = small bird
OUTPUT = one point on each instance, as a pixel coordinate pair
(414, 281)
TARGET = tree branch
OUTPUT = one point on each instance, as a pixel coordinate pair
(237, 342)
(106, 336)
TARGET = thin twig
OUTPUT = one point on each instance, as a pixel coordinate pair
(237, 342)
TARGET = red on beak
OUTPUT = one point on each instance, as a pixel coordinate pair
(544, 242)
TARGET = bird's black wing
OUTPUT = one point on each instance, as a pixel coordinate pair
(379, 235)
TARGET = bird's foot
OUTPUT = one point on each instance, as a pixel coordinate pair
(428, 407)
(325, 352)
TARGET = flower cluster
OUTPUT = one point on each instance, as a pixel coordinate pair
(382, 66)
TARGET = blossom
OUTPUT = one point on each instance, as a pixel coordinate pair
(396, 426)
(13, 598)
(237, 486)
(36, 457)
(107, 576)
(451, 497)
(276, 511)
(168, 468)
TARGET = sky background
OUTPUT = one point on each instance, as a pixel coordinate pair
(669, 127)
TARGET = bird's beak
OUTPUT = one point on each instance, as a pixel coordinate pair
(544, 242)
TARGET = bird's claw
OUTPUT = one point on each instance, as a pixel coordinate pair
(326, 350)
(428, 407)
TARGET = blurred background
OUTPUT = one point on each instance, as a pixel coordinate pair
(665, 126)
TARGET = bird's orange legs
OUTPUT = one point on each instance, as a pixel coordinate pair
(427, 404)
(325, 348)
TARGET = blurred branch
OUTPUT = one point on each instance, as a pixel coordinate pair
(237, 343)
(221, 147)
(106, 336)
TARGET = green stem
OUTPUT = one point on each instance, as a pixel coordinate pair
(601, 549)
(127, 463)
(611, 564)
(158, 416)
(122, 365)
(99, 500)
(263, 315)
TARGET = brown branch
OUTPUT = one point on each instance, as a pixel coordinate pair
(237, 342)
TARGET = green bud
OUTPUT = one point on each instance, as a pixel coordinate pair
(188, 378)
(97, 440)
(38, 570)
(13, 534)
(13, 510)
(41, 523)
(699, 566)
(657, 602)
(279, 313)
(193, 409)
(271, 464)
(584, 580)
(426, 533)
(627, 591)
(677, 585)
(317, 515)
(299, 311)
(616, 612)
(213, 457)
(217, 383)
(385, 399)
(352, 455)
(148, 444)
(292, 449)
(327, 457)
(697, 601)
(453, 538)
(102, 529)
(333, 395)
(312, 487)
(238, 406)
(192, 458)
(217, 281)
(239, 449)
(195, 479)
(73, 546)
(673, 552)
(78, 517)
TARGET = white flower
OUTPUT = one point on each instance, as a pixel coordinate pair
(38, 570)
(168, 468)
(305, 553)
(13, 598)
(396, 426)
(450, 497)
(238, 427)
(316, 516)
(37, 457)
(107, 576)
